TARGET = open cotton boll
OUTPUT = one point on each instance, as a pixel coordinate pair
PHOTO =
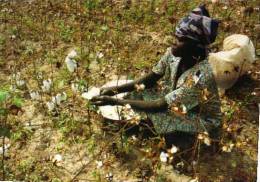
(100, 55)
(46, 85)
(174, 149)
(50, 106)
(71, 64)
(16, 76)
(4, 148)
(56, 99)
(72, 54)
(20, 83)
(35, 95)
(164, 157)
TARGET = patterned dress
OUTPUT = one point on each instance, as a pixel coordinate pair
(194, 105)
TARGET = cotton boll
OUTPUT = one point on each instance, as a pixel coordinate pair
(16, 76)
(4, 148)
(174, 149)
(57, 159)
(56, 99)
(100, 55)
(99, 164)
(70, 61)
(72, 54)
(207, 141)
(51, 106)
(71, 64)
(20, 83)
(46, 85)
(109, 176)
(163, 157)
(35, 95)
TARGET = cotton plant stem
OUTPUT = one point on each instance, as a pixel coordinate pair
(4, 123)
(258, 166)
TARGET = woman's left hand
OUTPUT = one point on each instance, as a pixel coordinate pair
(103, 100)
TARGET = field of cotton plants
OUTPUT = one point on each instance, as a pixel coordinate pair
(53, 51)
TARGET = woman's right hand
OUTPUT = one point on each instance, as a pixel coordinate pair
(110, 91)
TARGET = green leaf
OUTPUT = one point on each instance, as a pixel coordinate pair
(5, 132)
(3, 112)
(3, 96)
(18, 102)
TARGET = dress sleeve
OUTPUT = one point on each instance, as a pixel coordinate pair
(160, 67)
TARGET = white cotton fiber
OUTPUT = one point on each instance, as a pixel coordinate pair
(108, 111)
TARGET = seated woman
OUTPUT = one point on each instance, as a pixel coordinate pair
(194, 33)
(194, 105)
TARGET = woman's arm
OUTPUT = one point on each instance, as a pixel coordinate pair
(148, 80)
(149, 106)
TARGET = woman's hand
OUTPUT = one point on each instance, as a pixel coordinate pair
(110, 91)
(103, 100)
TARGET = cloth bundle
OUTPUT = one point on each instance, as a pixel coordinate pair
(235, 60)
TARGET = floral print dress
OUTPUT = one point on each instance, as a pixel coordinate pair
(193, 99)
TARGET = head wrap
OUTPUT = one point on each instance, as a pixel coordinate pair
(235, 60)
(198, 26)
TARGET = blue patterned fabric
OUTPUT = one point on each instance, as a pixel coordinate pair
(198, 26)
(196, 90)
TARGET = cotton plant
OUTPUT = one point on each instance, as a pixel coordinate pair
(70, 61)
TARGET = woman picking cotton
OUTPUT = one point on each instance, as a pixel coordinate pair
(194, 106)
(194, 33)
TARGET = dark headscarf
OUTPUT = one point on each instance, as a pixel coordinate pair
(198, 27)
